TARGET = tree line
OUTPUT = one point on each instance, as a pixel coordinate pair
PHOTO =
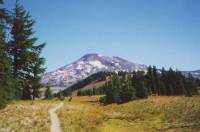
(21, 64)
(122, 86)
(136, 85)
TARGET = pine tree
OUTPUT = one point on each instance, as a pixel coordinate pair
(191, 86)
(48, 93)
(169, 79)
(60, 95)
(161, 87)
(116, 88)
(108, 92)
(18, 48)
(141, 90)
(163, 82)
(27, 63)
(36, 70)
(124, 93)
(127, 91)
(138, 81)
(150, 80)
(155, 80)
(179, 83)
(6, 87)
(112, 90)
(187, 89)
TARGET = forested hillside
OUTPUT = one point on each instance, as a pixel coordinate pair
(97, 77)
(122, 86)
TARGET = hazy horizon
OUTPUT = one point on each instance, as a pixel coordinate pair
(161, 33)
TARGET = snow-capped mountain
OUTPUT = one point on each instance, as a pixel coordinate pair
(86, 66)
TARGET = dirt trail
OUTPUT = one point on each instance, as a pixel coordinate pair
(55, 123)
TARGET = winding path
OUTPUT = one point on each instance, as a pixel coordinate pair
(55, 123)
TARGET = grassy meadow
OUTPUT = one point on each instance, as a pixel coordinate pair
(26, 116)
(85, 114)
(171, 114)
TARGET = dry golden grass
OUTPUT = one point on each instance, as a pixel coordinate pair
(85, 114)
(173, 114)
(26, 116)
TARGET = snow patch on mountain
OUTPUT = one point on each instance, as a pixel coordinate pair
(86, 66)
(93, 63)
(97, 64)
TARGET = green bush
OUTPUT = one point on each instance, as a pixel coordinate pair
(48, 93)
(102, 100)
(61, 96)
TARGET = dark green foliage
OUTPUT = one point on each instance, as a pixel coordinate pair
(25, 54)
(120, 90)
(60, 95)
(123, 87)
(191, 87)
(36, 70)
(90, 92)
(128, 91)
(139, 83)
(20, 61)
(48, 93)
(155, 81)
(112, 91)
(102, 100)
(152, 80)
(161, 88)
(109, 98)
(170, 83)
(116, 88)
(6, 85)
(67, 92)
(198, 84)
(141, 90)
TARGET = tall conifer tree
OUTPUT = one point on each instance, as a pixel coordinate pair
(27, 63)
(36, 69)
(6, 87)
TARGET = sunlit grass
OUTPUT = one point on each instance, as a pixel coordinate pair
(26, 116)
(85, 114)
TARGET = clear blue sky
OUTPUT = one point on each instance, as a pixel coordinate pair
(152, 32)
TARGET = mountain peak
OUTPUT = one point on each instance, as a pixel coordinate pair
(90, 56)
(87, 65)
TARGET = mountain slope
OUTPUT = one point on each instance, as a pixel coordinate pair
(90, 64)
(86, 66)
